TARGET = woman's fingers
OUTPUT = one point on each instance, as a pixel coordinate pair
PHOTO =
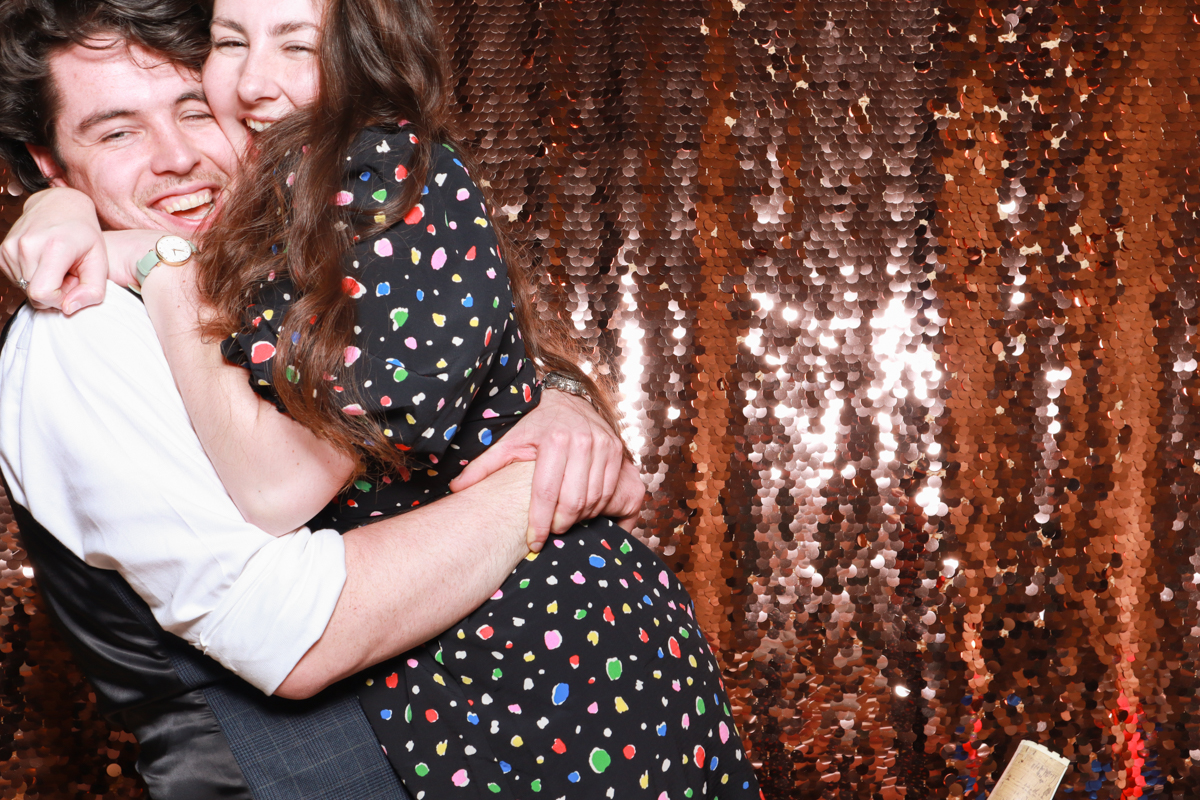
(68, 273)
(86, 284)
(55, 251)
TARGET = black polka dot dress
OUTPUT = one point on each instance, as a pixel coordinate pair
(585, 675)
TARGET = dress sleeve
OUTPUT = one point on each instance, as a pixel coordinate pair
(434, 301)
(253, 347)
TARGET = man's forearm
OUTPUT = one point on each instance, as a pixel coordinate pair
(437, 564)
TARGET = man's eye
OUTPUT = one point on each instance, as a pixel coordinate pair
(114, 136)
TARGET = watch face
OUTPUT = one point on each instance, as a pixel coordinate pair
(173, 250)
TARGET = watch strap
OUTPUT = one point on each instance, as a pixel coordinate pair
(565, 383)
(144, 265)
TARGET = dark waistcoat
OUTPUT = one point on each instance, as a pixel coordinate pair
(203, 732)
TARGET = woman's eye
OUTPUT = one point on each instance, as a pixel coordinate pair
(298, 48)
(224, 44)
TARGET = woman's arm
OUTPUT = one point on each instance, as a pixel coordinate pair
(278, 472)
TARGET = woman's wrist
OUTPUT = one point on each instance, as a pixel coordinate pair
(65, 200)
(125, 249)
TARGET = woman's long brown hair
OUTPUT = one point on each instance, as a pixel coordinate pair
(380, 61)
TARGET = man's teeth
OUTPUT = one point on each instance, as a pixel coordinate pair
(257, 126)
(188, 202)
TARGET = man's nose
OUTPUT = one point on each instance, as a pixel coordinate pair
(174, 153)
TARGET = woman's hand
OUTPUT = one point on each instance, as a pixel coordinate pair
(56, 252)
(581, 469)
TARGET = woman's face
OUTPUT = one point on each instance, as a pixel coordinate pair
(263, 63)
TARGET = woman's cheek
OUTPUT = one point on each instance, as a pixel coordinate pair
(219, 88)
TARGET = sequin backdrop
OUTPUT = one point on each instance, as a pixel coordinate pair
(901, 300)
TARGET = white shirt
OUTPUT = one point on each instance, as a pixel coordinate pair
(96, 443)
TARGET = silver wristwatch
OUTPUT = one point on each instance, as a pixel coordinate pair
(565, 383)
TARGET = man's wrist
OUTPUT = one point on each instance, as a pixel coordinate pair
(565, 383)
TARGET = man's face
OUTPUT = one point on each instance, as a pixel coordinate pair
(135, 134)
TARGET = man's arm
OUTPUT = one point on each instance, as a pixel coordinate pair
(412, 577)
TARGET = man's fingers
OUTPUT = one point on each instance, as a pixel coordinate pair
(492, 460)
(629, 495)
(612, 475)
(547, 473)
(572, 490)
(596, 485)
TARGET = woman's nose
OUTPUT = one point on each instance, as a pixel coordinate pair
(255, 84)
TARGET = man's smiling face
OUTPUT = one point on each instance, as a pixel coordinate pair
(135, 134)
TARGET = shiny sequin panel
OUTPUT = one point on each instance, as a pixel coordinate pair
(900, 301)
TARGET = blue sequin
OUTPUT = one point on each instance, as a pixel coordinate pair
(383, 289)
(386, 713)
(596, 561)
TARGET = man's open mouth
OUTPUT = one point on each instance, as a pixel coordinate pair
(193, 207)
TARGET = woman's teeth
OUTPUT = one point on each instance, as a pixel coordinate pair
(256, 126)
(188, 202)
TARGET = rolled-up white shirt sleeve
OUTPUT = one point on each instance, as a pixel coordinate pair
(96, 443)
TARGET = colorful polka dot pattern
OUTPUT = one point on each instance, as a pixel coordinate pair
(439, 358)
(584, 676)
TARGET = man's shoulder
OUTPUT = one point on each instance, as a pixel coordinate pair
(114, 331)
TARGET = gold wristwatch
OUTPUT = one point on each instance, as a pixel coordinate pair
(172, 250)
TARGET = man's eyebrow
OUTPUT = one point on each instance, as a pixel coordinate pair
(101, 117)
(196, 95)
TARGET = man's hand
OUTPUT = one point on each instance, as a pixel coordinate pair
(56, 246)
(581, 471)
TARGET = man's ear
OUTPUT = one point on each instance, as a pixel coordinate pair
(47, 163)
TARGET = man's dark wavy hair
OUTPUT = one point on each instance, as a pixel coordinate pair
(31, 31)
